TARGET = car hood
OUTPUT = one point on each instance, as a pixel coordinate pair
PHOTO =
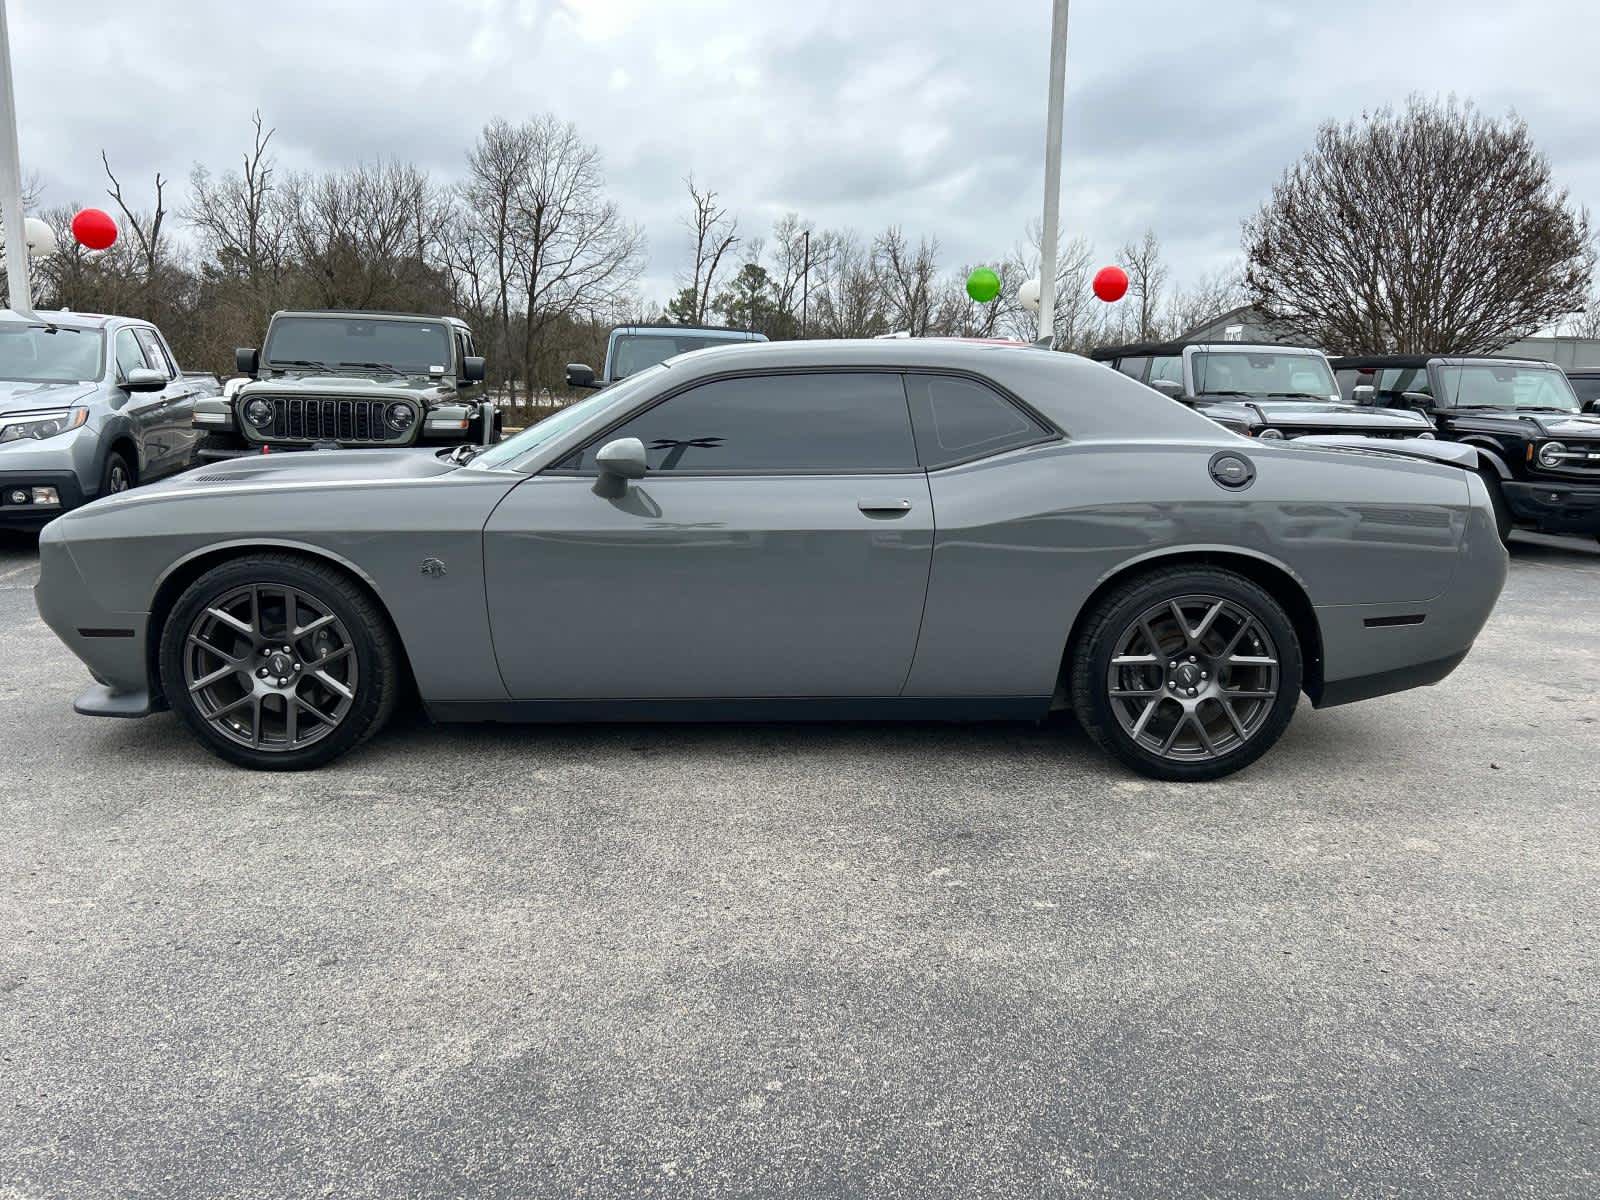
(312, 467)
(1292, 413)
(28, 397)
(1553, 425)
(354, 386)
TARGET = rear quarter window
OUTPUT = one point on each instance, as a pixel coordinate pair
(958, 419)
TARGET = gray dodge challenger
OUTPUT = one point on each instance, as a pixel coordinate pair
(874, 529)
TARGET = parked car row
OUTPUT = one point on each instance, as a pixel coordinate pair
(1534, 430)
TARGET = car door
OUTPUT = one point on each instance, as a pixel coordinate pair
(778, 547)
(176, 414)
(144, 409)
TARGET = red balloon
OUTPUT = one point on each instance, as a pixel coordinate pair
(94, 229)
(1111, 284)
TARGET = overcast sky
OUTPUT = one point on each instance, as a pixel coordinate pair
(925, 113)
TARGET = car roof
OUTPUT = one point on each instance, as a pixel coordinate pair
(852, 352)
(1370, 362)
(676, 330)
(366, 312)
(75, 320)
(1174, 349)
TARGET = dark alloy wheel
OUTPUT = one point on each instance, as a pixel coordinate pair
(1187, 674)
(117, 476)
(278, 662)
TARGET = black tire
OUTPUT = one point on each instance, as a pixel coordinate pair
(1118, 614)
(377, 670)
(1497, 501)
(118, 474)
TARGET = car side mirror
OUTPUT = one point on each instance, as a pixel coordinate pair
(1594, 406)
(1418, 400)
(1168, 387)
(1364, 393)
(247, 360)
(619, 461)
(580, 376)
(473, 368)
(145, 379)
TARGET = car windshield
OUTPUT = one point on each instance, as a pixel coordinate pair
(633, 352)
(359, 343)
(1507, 385)
(50, 354)
(1264, 373)
(564, 419)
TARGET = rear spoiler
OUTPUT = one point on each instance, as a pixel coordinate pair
(1424, 449)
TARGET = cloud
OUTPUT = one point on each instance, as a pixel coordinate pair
(930, 116)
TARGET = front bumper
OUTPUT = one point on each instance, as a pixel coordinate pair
(1554, 507)
(27, 514)
(111, 644)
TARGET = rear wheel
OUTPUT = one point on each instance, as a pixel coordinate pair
(1187, 673)
(279, 663)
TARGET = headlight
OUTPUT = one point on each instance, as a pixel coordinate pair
(36, 426)
(258, 411)
(1271, 434)
(401, 417)
(1551, 454)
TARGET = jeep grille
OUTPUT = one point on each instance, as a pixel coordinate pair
(311, 419)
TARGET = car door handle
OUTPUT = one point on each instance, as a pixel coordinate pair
(888, 507)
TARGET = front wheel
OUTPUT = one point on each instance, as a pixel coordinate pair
(277, 662)
(1187, 673)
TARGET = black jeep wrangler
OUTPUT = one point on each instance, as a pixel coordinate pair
(1537, 450)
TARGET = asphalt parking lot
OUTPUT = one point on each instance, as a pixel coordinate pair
(828, 960)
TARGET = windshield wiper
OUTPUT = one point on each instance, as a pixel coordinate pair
(375, 366)
(297, 362)
(1235, 392)
(463, 454)
(1304, 396)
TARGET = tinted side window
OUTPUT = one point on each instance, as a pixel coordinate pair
(777, 423)
(961, 419)
(1133, 367)
(1168, 367)
(1587, 387)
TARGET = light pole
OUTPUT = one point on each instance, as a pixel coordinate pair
(805, 286)
(16, 238)
(1052, 171)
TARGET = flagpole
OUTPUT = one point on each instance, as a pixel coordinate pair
(16, 237)
(1052, 171)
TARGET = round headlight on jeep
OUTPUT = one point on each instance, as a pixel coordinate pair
(400, 417)
(1551, 454)
(1271, 434)
(258, 411)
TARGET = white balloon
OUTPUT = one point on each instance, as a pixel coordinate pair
(1028, 294)
(40, 237)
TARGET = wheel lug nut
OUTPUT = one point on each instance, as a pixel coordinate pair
(262, 672)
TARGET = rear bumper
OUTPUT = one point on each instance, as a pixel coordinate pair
(1555, 507)
(1375, 649)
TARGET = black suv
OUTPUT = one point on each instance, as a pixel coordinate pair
(1538, 451)
(1263, 391)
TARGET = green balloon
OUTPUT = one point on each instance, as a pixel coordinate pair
(983, 285)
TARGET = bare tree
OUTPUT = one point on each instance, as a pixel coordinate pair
(1079, 316)
(906, 279)
(239, 216)
(1585, 324)
(1207, 298)
(846, 301)
(1147, 277)
(1434, 229)
(714, 233)
(482, 243)
(146, 225)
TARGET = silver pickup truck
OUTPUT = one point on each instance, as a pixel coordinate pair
(89, 405)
